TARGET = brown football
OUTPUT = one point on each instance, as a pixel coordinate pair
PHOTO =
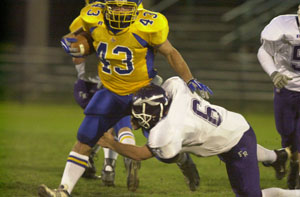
(84, 43)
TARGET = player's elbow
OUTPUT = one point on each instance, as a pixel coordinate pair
(260, 53)
(142, 154)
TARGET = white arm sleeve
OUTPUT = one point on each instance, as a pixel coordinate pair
(80, 68)
(266, 61)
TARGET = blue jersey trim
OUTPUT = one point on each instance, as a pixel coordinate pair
(149, 62)
(140, 40)
(149, 56)
(92, 29)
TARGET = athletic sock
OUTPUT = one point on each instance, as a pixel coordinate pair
(75, 167)
(126, 137)
(110, 154)
(270, 192)
(265, 155)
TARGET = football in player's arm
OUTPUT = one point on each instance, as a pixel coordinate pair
(180, 122)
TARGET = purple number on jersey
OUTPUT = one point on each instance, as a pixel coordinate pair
(209, 114)
(296, 57)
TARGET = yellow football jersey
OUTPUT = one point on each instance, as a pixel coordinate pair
(127, 57)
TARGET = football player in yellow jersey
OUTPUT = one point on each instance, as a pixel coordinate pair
(126, 40)
(84, 88)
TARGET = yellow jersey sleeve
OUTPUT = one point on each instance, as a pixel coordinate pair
(76, 24)
(92, 15)
(154, 24)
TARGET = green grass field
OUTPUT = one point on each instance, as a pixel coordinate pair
(35, 141)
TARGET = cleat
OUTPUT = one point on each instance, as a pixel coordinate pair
(44, 191)
(190, 172)
(108, 172)
(293, 175)
(132, 168)
(90, 171)
(279, 164)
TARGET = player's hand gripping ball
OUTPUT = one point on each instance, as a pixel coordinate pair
(78, 45)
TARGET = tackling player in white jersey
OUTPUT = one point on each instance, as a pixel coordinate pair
(179, 122)
(279, 56)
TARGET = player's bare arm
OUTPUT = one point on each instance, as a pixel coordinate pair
(134, 152)
(175, 60)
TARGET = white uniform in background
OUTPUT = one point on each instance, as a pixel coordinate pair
(279, 56)
(281, 40)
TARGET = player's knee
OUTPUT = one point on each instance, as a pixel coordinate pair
(84, 138)
(82, 148)
(89, 132)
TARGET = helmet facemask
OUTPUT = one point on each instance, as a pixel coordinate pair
(149, 115)
(120, 14)
(147, 110)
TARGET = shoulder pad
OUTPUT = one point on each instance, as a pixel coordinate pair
(153, 23)
(173, 84)
(92, 14)
(76, 24)
(148, 21)
(276, 28)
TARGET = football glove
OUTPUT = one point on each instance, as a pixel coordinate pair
(202, 89)
(66, 44)
(280, 80)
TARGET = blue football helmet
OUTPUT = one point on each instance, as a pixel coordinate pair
(120, 14)
(149, 105)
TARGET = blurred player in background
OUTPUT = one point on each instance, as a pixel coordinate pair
(126, 40)
(84, 89)
(279, 56)
(180, 122)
